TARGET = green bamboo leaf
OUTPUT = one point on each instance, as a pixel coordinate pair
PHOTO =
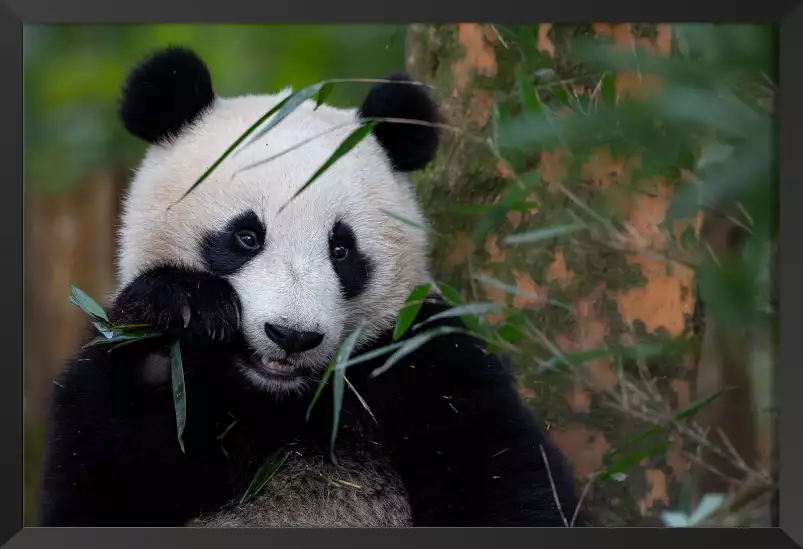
(330, 368)
(450, 293)
(543, 234)
(285, 107)
(527, 94)
(123, 337)
(631, 460)
(87, 304)
(581, 357)
(263, 476)
(512, 197)
(349, 143)
(412, 305)
(692, 409)
(323, 94)
(657, 429)
(370, 355)
(179, 390)
(471, 310)
(410, 345)
(484, 279)
(508, 288)
(281, 110)
(651, 432)
(338, 383)
(509, 333)
(608, 90)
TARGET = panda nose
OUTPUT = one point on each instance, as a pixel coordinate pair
(292, 341)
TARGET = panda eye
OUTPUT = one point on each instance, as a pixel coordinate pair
(247, 239)
(339, 252)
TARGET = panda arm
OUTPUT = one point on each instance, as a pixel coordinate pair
(112, 456)
(468, 451)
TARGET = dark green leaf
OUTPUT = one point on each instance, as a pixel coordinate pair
(349, 143)
(263, 476)
(509, 333)
(412, 305)
(451, 294)
(608, 90)
(527, 95)
(697, 405)
(323, 94)
(179, 390)
(631, 460)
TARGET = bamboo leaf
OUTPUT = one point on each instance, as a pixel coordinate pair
(87, 304)
(542, 234)
(472, 309)
(410, 345)
(412, 305)
(323, 94)
(281, 110)
(349, 143)
(328, 372)
(179, 390)
(338, 383)
(263, 476)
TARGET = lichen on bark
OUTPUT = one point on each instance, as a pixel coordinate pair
(612, 295)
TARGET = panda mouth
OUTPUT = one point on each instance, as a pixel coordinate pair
(279, 367)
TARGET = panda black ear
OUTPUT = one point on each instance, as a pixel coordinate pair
(410, 146)
(164, 93)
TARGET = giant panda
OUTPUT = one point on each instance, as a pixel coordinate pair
(260, 298)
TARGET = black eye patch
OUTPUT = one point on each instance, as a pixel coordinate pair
(351, 266)
(225, 252)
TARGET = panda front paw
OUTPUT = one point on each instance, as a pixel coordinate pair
(189, 305)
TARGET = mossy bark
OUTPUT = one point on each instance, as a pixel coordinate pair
(609, 290)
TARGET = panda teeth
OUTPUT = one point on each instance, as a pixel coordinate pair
(276, 365)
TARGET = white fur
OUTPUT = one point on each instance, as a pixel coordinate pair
(292, 281)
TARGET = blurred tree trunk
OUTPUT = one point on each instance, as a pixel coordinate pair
(617, 293)
(70, 238)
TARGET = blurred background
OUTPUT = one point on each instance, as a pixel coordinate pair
(610, 190)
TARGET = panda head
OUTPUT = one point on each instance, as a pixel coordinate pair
(330, 259)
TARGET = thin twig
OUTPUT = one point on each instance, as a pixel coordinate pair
(554, 488)
(580, 501)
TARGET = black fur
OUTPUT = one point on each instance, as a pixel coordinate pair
(449, 418)
(354, 272)
(165, 93)
(410, 147)
(192, 305)
(220, 250)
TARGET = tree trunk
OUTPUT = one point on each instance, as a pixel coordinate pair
(70, 239)
(618, 293)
